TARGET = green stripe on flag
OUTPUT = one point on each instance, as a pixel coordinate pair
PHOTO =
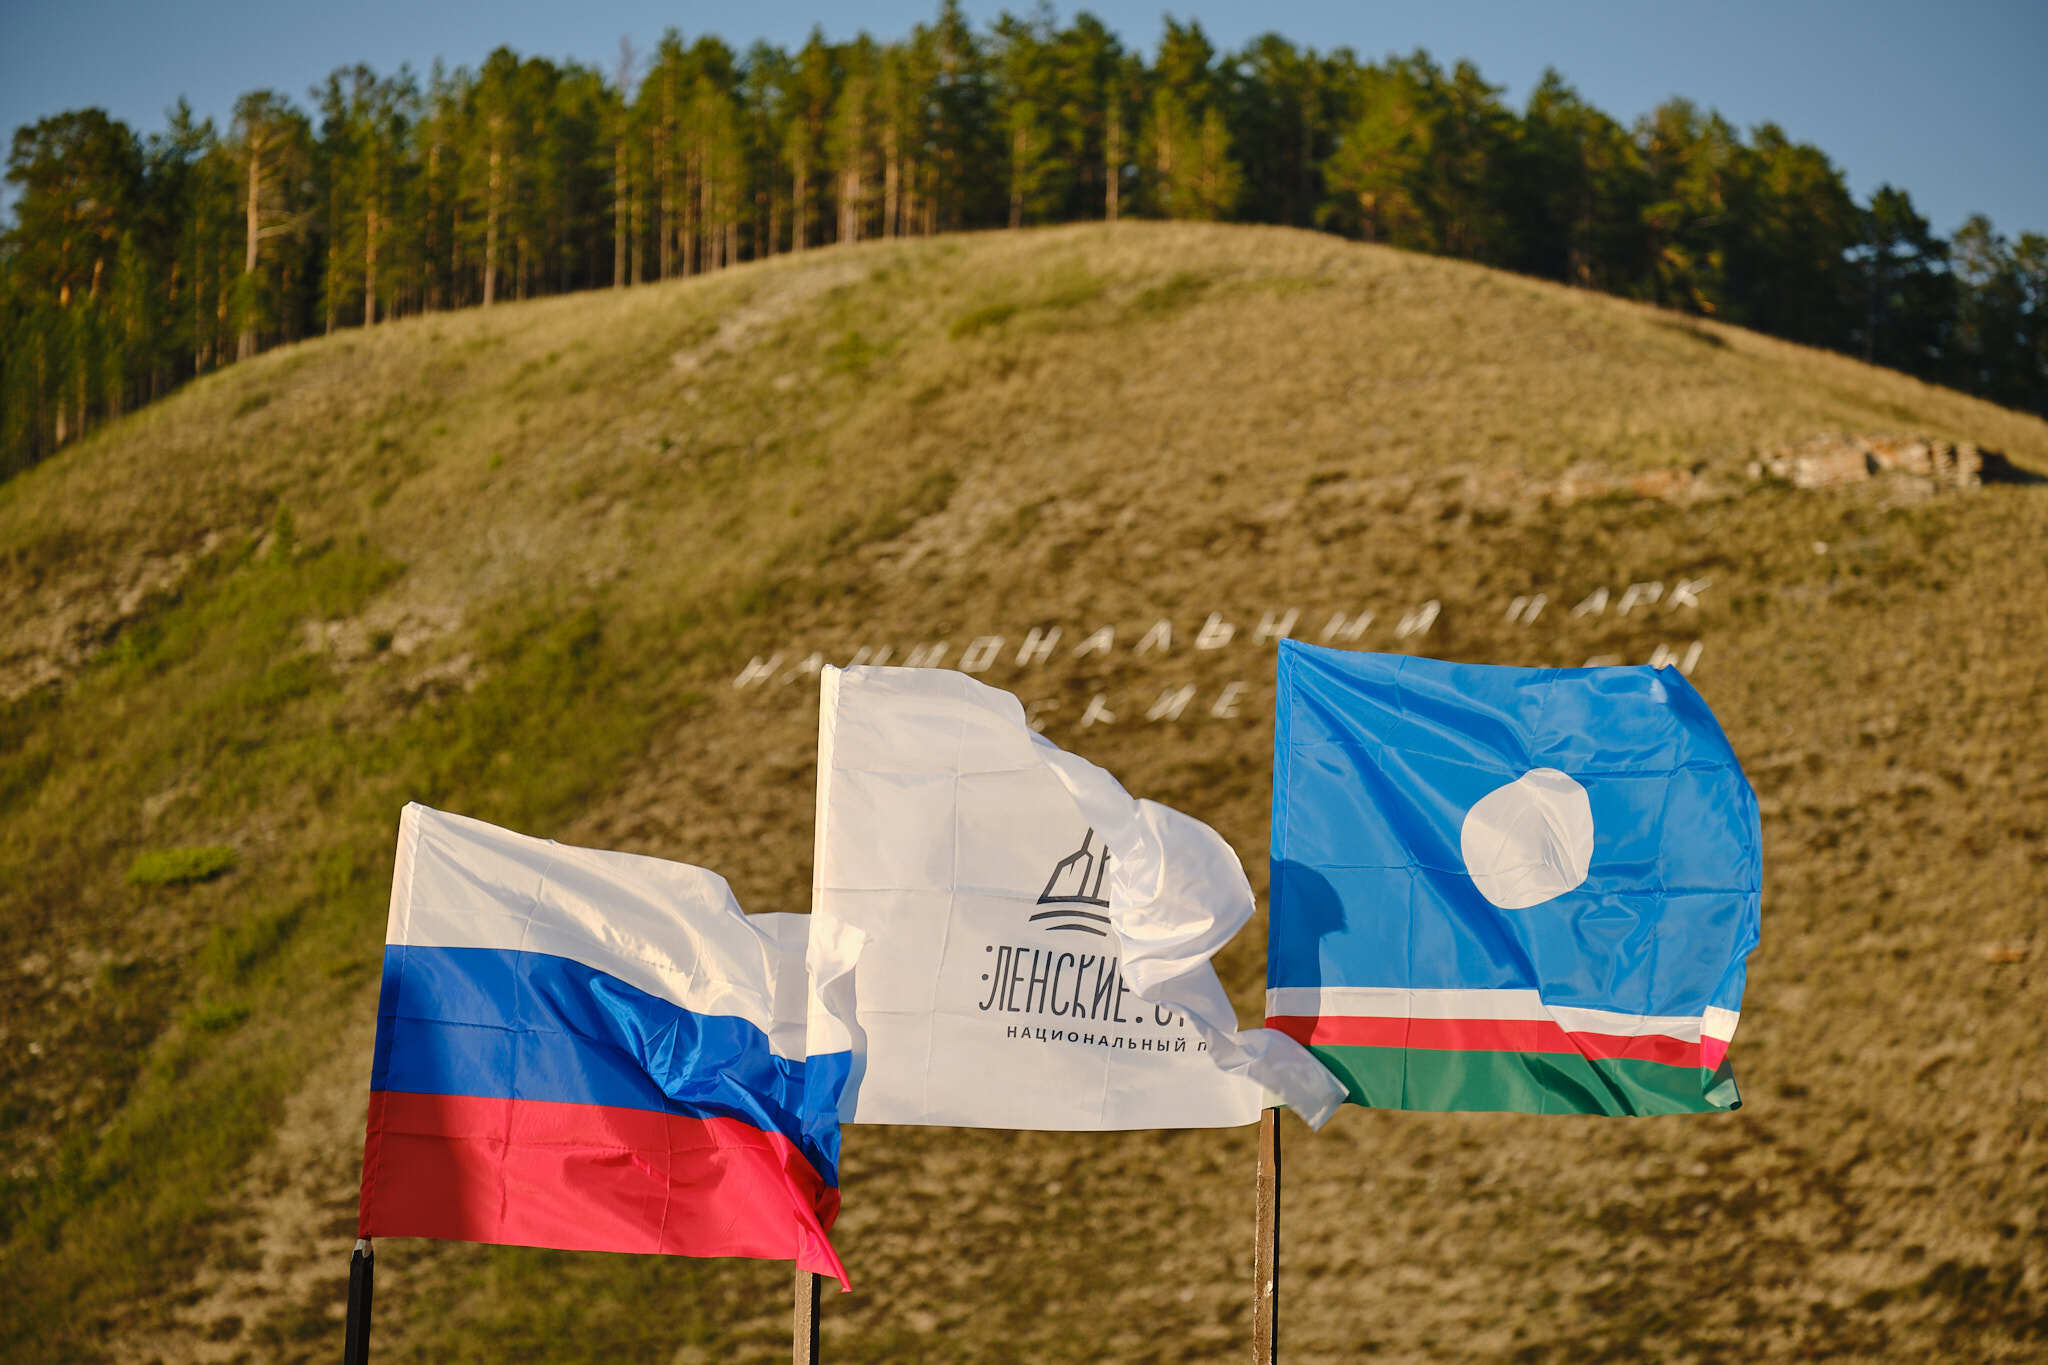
(1524, 1082)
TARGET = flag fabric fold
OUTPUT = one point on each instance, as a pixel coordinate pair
(593, 1051)
(1509, 889)
(1177, 894)
(1019, 943)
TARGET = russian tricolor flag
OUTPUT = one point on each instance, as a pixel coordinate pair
(593, 1051)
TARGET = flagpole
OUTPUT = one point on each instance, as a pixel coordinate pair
(362, 1270)
(804, 1340)
(1266, 1245)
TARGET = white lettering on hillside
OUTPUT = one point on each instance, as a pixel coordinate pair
(1274, 628)
(1171, 703)
(1636, 595)
(1419, 620)
(981, 652)
(1345, 630)
(1101, 642)
(1037, 646)
(758, 670)
(1008, 657)
(1214, 634)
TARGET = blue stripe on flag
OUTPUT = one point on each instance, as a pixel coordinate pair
(495, 1023)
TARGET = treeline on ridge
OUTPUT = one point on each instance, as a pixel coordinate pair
(135, 263)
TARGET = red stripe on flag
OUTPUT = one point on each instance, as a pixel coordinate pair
(583, 1177)
(1498, 1035)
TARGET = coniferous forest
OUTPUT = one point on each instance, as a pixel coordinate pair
(136, 262)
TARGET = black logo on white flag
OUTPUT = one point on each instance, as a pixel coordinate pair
(1077, 880)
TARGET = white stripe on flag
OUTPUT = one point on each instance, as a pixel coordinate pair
(1719, 1023)
(1399, 1002)
(670, 929)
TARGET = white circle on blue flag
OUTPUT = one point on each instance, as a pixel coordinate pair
(1529, 841)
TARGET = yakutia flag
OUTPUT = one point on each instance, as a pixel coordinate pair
(596, 1052)
(1015, 941)
(1509, 888)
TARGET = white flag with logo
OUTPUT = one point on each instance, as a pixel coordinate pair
(1024, 945)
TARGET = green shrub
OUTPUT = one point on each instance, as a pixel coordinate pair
(1070, 288)
(1182, 289)
(981, 319)
(180, 866)
(218, 1018)
(852, 354)
(234, 951)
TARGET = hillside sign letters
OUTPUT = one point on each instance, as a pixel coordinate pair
(1670, 603)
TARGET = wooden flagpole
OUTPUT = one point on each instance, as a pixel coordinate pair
(804, 1340)
(1266, 1245)
(362, 1268)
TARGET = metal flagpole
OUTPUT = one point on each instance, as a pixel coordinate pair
(362, 1269)
(1266, 1245)
(804, 1340)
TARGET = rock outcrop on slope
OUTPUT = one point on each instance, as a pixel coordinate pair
(1838, 461)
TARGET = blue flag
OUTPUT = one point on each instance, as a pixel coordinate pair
(1509, 888)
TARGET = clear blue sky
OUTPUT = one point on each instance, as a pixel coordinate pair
(1949, 102)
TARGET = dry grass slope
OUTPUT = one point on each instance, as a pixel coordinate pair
(509, 563)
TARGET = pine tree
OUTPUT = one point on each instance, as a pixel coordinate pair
(1029, 106)
(1123, 105)
(1908, 293)
(78, 177)
(716, 168)
(1578, 192)
(810, 92)
(619, 125)
(1086, 60)
(898, 100)
(497, 129)
(966, 181)
(1990, 350)
(764, 102)
(439, 189)
(852, 143)
(272, 146)
(172, 206)
(2030, 269)
(1699, 188)
(1279, 112)
(1789, 269)
(1377, 174)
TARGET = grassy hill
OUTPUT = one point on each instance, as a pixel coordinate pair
(511, 563)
